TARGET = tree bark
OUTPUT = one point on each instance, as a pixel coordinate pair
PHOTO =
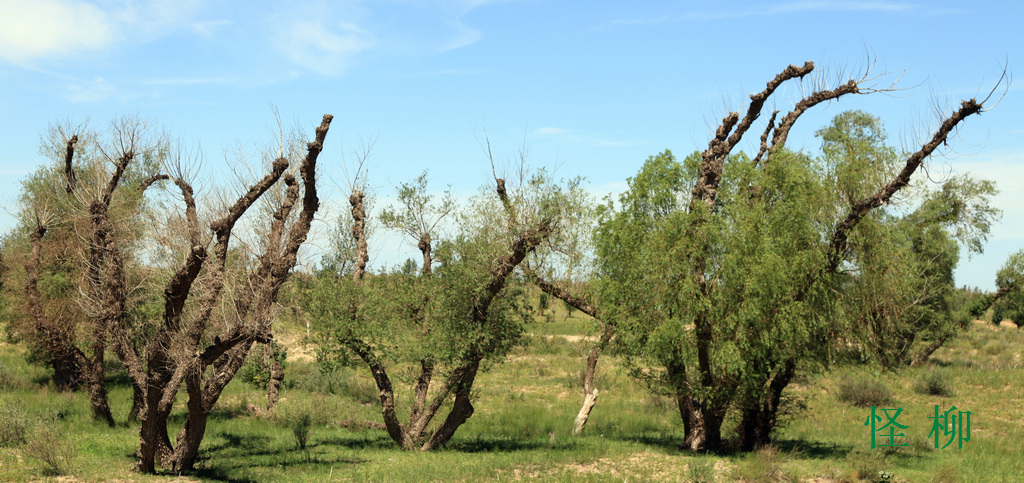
(274, 385)
(461, 410)
(589, 390)
(65, 357)
(760, 417)
(97, 385)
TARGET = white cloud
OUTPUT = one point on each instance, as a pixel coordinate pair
(790, 7)
(49, 28)
(44, 29)
(325, 49)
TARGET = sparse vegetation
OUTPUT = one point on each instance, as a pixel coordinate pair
(51, 445)
(527, 431)
(14, 424)
(864, 391)
(935, 382)
(746, 311)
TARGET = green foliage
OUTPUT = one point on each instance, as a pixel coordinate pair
(300, 429)
(256, 369)
(51, 444)
(760, 249)
(1010, 279)
(864, 391)
(935, 382)
(329, 378)
(14, 423)
(44, 200)
(543, 302)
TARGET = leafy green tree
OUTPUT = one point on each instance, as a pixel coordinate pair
(721, 271)
(1008, 300)
(903, 312)
(445, 324)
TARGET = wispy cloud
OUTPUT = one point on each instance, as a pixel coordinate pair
(464, 36)
(207, 28)
(790, 7)
(324, 48)
(549, 130)
(188, 81)
(96, 90)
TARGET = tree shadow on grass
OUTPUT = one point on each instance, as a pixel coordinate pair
(665, 442)
(366, 441)
(238, 441)
(215, 474)
(488, 445)
(463, 445)
(818, 450)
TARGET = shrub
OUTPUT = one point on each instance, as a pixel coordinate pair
(6, 380)
(300, 429)
(14, 424)
(334, 380)
(256, 370)
(864, 391)
(543, 302)
(51, 445)
(935, 382)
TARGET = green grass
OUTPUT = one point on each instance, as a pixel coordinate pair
(522, 425)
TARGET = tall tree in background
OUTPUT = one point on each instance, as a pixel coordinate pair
(1008, 300)
(86, 221)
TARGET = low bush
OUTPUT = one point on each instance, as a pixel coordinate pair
(868, 466)
(300, 429)
(863, 391)
(935, 382)
(336, 381)
(14, 424)
(51, 445)
(765, 464)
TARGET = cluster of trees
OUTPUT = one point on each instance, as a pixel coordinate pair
(716, 277)
(112, 261)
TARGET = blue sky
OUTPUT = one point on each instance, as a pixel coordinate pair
(592, 88)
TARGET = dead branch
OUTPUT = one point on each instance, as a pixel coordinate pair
(837, 246)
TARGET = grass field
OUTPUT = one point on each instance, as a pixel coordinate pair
(522, 426)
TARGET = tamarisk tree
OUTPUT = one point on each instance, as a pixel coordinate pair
(191, 338)
(466, 306)
(722, 271)
(195, 332)
(81, 222)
